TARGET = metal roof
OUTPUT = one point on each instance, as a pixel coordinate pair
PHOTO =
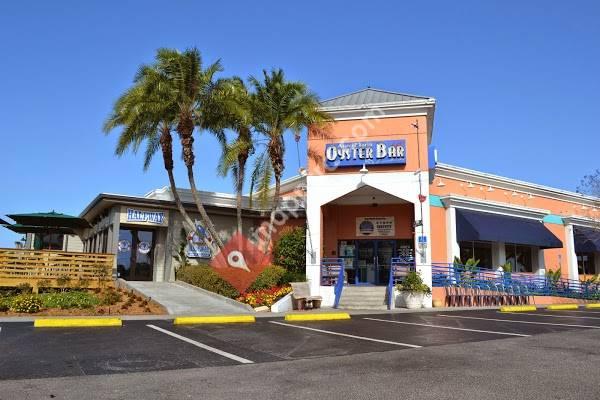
(371, 96)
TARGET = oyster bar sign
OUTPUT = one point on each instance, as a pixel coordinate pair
(352, 154)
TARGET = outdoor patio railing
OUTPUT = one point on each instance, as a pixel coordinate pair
(50, 268)
(454, 275)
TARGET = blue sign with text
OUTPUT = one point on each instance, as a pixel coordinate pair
(351, 154)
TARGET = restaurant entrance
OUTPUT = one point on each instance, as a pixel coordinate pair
(367, 262)
(135, 256)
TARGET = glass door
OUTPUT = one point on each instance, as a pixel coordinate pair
(135, 254)
(366, 265)
(385, 252)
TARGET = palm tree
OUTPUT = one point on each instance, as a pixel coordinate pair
(279, 106)
(146, 115)
(190, 87)
(235, 113)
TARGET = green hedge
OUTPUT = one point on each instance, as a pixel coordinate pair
(67, 300)
(205, 277)
(289, 250)
(269, 277)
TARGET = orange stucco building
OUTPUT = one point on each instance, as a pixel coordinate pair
(375, 192)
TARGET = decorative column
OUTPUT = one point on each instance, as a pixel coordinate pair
(571, 255)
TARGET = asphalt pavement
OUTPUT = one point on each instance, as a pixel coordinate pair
(464, 354)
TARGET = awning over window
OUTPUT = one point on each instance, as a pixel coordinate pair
(481, 226)
(587, 240)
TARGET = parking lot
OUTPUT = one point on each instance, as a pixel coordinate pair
(157, 345)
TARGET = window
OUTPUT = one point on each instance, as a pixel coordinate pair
(53, 241)
(586, 263)
(519, 257)
(481, 251)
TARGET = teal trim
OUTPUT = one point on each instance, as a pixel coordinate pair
(436, 201)
(553, 219)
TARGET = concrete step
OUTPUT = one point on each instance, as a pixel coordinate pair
(363, 298)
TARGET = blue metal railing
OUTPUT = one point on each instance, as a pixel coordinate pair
(399, 268)
(450, 274)
(332, 274)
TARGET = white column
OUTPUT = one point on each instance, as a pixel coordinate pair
(498, 254)
(313, 244)
(541, 263)
(571, 256)
(452, 247)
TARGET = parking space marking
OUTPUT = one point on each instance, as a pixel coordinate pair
(519, 322)
(558, 316)
(202, 345)
(347, 335)
(447, 327)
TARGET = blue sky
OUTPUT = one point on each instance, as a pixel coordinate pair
(516, 82)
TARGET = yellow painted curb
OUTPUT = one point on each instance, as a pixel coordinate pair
(76, 322)
(317, 317)
(557, 307)
(592, 306)
(517, 308)
(215, 319)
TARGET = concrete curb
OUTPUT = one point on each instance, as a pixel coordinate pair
(76, 322)
(593, 306)
(217, 296)
(510, 309)
(559, 307)
(318, 316)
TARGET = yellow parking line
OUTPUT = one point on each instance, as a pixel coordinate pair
(592, 306)
(76, 322)
(214, 319)
(317, 317)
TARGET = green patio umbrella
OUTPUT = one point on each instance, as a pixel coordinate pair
(50, 219)
(19, 228)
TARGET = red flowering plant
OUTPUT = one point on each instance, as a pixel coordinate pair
(264, 297)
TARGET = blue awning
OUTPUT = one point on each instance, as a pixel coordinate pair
(587, 240)
(481, 226)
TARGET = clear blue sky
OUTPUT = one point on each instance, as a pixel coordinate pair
(516, 82)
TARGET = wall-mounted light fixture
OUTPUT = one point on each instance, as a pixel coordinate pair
(364, 169)
(440, 183)
(490, 189)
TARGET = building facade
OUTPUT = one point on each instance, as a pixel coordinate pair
(372, 190)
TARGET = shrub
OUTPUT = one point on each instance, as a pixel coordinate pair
(265, 297)
(413, 283)
(24, 288)
(269, 277)
(73, 299)
(292, 276)
(26, 303)
(206, 278)
(290, 249)
(4, 304)
(111, 297)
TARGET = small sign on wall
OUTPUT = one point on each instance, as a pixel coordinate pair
(375, 226)
(140, 216)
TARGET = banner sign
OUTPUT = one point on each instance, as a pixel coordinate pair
(385, 152)
(196, 243)
(375, 226)
(152, 217)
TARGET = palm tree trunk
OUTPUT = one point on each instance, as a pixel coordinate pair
(203, 215)
(274, 208)
(185, 129)
(166, 145)
(239, 188)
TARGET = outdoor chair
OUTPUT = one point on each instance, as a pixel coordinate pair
(301, 298)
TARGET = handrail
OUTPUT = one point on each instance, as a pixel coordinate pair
(339, 287)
